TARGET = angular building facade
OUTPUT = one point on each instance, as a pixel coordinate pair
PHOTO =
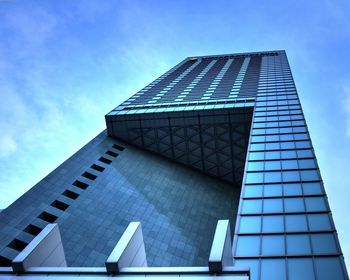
(216, 137)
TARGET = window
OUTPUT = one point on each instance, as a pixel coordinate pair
(248, 246)
(312, 188)
(105, 160)
(329, 268)
(60, 205)
(290, 176)
(250, 224)
(307, 163)
(319, 222)
(252, 206)
(323, 243)
(301, 269)
(272, 190)
(292, 189)
(32, 229)
(298, 244)
(296, 223)
(80, 184)
(17, 244)
(273, 223)
(256, 177)
(294, 205)
(113, 154)
(309, 175)
(272, 177)
(272, 245)
(255, 165)
(70, 194)
(314, 204)
(97, 167)
(253, 191)
(273, 269)
(273, 205)
(89, 175)
(289, 164)
(254, 267)
(47, 217)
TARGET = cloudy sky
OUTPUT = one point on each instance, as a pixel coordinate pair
(65, 64)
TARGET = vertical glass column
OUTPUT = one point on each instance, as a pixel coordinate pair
(284, 229)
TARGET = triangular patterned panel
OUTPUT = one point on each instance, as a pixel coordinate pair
(204, 140)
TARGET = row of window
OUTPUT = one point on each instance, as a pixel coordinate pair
(281, 130)
(282, 176)
(280, 146)
(280, 137)
(290, 244)
(277, 108)
(283, 205)
(279, 190)
(320, 268)
(269, 125)
(284, 223)
(278, 118)
(281, 165)
(287, 95)
(278, 112)
(288, 154)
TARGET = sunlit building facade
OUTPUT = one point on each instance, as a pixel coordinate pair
(216, 137)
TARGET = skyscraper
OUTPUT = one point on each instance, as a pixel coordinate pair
(216, 137)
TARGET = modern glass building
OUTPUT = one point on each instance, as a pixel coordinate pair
(219, 137)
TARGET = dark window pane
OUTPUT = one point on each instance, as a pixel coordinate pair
(272, 245)
(250, 224)
(329, 268)
(294, 205)
(323, 243)
(307, 163)
(292, 189)
(315, 204)
(312, 188)
(319, 222)
(273, 205)
(248, 246)
(273, 269)
(273, 224)
(296, 223)
(298, 244)
(309, 175)
(300, 269)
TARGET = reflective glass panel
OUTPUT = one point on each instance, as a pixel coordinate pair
(250, 224)
(248, 246)
(315, 204)
(329, 268)
(300, 269)
(272, 245)
(254, 267)
(253, 191)
(312, 188)
(292, 189)
(294, 205)
(273, 269)
(252, 206)
(273, 223)
(298, 244)
(273, 205)
(296, 223)
(323, 243)
(319, 222)
(273, 190)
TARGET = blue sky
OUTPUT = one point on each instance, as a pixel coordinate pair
(65, 64)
